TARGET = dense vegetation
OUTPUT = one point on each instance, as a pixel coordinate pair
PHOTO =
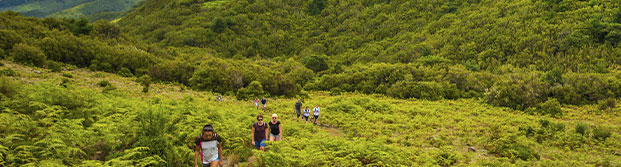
(92, 9)
(81, 118)
(402, 83)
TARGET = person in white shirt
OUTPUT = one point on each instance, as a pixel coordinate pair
(306, 113)
(316, 113)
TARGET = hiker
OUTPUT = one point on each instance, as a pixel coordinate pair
(259, 133)
(306, 113)
(316, 113)
(264, 102)
(208, 148)
(275, 129)
(298, 108)
(219, 98)
(256, 102)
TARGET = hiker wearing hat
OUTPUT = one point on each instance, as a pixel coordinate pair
(259, 133)
(208, 148)
(275, 129)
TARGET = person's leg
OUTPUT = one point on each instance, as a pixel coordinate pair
(214, 164)
(272, 137)
(257, 145)
(278, 137)
(262, 144)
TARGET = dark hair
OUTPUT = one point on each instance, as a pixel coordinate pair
(207, 127)
(259, 116)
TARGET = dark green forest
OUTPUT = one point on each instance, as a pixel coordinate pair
(532, 56)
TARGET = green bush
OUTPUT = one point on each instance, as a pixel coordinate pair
(513, 148)
(607, 104)
(551, 107)
(253, 90)
(601, 134)
(67, 75)
(28, 55)
(582, 129)
(8, 88)
(315, 62)
(54, 66)
(145, 81)
(2, 53)
(518, 91)
(103, 83)
(125, 72)
(8, 72)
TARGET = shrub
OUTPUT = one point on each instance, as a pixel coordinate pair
(67, 75)
(601, 133)
(28, 55)
(315, 63)
(103, 83)
(582, 128)
(551, 107)
(145, 81)
(253, 90)
(54, 66)
(607, 104)
(335, 91)
(8, 72)
(2, 53)
(125, 72)
(8, 87)
(517, 91)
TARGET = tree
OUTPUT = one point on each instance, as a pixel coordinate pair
(315, 62)
(316, 6)
(28, 55)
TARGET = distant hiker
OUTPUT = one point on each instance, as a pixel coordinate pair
(219, 98)
(316, 113)
(256, 102)
(275, 129)
(208, 148)
(259, 133)
(298, 108)
(306, 113)
(264, 102)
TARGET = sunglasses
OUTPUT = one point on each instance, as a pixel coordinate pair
(260, 119)
(274, 117)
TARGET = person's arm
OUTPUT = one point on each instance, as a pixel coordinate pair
(221, 162)
(252, 136)
(196, 154)
(280, 129)
(267, 135)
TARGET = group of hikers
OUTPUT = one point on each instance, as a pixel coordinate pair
(209, 145)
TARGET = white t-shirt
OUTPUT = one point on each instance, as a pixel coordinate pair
(306, 112)
(316, 111)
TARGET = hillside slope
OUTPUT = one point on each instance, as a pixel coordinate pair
(71, 118)
(93, 9)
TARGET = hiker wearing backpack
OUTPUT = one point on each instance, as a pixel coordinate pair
(298, 108)
(316, 113)
(306, 113)
(275, 129)
(259, 133)
(208, 148)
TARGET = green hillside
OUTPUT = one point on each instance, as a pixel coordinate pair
(93, 9)
(72, 118)
(400, 82)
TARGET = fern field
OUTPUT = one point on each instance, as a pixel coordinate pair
(68, 119)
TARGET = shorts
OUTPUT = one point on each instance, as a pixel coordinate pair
(206, 165)
(298, 112)
(259, 144)
(256, 104)
(275, 136)
(306, 117)
(316, 116)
